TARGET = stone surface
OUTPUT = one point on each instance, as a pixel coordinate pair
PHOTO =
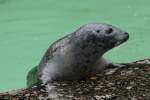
(131, 82)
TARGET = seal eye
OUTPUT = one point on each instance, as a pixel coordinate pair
(110, 30)
(97, 31)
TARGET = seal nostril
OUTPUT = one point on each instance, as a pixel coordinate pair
(126, 36)
(126, 33)
(110, 30)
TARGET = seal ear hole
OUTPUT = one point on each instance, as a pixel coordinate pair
(97, 31)
(110, 30)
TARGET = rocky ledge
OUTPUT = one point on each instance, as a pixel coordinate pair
(129, 82)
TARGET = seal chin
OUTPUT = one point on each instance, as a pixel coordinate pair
(117, 44)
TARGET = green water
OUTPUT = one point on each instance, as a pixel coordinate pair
(28, 27)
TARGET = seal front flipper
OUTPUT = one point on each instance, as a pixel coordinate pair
(115, 65)
(100, 65)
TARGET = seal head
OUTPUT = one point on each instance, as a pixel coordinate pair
(103, 36)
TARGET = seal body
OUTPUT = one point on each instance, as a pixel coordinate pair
(77, 55)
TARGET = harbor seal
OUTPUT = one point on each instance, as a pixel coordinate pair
(77, 55)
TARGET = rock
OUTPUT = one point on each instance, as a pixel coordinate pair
(131, 82)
